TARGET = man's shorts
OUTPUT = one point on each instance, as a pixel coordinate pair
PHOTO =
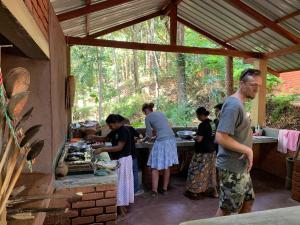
(235, 189)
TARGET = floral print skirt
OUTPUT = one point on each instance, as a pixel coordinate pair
(202, 173)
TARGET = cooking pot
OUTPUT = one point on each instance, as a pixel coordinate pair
(186, 134)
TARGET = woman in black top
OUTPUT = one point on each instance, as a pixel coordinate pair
(202, 170)
(122, 143)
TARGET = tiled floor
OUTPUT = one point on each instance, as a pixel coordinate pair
(175, 207)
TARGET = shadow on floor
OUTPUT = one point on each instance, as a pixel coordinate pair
(175, 208)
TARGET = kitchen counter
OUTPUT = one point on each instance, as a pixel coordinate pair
(185, 143)
(263, 139)
(179, 142)
(82, 180)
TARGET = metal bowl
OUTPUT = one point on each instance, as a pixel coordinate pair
(186, 134)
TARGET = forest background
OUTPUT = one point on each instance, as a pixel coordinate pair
(110, 80)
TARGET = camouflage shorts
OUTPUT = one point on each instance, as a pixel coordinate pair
(235, 188)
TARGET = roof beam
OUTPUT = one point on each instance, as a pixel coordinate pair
(290, 70)
(162, 48)
(203, 32)
(90, 9)
(275, 73)
(238, 4)
(286, 17)
(173, 25)
(168, 8)
(283, 51)
(124, 25)
(87, 19)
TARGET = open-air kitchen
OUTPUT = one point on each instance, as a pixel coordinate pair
(149, 112)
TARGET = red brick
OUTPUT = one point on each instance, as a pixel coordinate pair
(93, 196)
(111, 223)
(56, 219)
(46, 4)
(72, 213)
(83, 204)
(110, 194)
(34, 4)
(82, 220)
(28, 4)
(43, 8)
(106, 217)
(106, 187)
(97, 224)
(84, 189)
(59, 203)
(92, 211)
(110, 209)
(106, 202)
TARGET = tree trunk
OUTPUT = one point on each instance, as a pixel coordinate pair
(156, 78)
(181, 79)
(229, 75)
(100, 83)
(116, 71)
(150, 40)
(135, 62)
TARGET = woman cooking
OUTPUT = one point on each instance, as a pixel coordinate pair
(202, 170)
(164, 150)
(121, 151)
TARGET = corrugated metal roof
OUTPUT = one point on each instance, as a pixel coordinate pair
(216, 17)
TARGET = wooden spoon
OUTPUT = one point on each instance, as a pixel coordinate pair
(5, 197)
(30, 133)
(34, 152)
(11, 162)
(16, 104)
(17, 81)
(24, 118)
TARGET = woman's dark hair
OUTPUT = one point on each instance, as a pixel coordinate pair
(202, 111)
(218, 106)
(149, 106)
(114, 118)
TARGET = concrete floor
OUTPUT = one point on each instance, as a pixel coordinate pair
(176, 208)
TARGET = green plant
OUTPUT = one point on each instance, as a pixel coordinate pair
(280, 105)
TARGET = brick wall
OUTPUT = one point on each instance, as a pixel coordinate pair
(97, 206)
(290, 82)
(40, 12)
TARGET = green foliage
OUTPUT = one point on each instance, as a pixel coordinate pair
(86, 112)
(272, 82)
(128, 106)
(280, 104)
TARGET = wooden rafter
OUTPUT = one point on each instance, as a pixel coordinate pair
(90, 9)
(283, 51)
(173, 25)
(87, 19)
(162, 48)
(166, 10)
(263, 20)
(203, 32)
(286, 17)
(291, 70)
(274, 72)
(124, 25)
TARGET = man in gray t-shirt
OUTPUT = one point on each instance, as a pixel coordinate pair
(235, 156)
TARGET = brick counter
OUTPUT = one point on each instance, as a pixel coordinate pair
(98, 203)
